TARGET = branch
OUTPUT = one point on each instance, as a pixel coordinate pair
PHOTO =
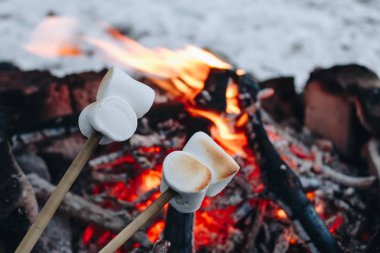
(356, 182)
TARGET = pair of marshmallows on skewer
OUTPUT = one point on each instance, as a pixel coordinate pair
(120, 101)
(202, 169)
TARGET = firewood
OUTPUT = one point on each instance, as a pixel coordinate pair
(332, 116)
(18, 205)
(285, 104)
(281, 181)
(29, 98)
(254, 231)
(356, 182)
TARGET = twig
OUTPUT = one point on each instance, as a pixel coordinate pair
(161, 246)
(282, 242)
(357, 182)
(251, 239)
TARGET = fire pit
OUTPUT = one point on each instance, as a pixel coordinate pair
(196, 91)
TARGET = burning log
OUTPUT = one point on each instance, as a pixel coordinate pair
(285, 104)
(179, 231)
(213, 95)
(281, 181)
(18, 206)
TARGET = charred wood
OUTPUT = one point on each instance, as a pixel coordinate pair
(18, 205)
(281, 181)
(285, 104)
(179, 231)
(256, 226)
(213, 95)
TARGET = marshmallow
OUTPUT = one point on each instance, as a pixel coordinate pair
(202, 168)
(117, 83)
(188, 177)
(120, 101)
(223, 168)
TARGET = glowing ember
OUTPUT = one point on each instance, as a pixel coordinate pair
(232, 99)
(155, 230)
(336, 224)
(280, 213)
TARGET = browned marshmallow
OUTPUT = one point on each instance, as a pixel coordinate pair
(189, 177)
(221, 165)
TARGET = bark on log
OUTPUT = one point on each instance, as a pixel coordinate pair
(179, 231)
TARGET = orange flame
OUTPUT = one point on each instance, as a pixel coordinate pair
(182, 73)
(55, 36)
(223, 131)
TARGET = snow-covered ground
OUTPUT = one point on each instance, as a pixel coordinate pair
(266, 37)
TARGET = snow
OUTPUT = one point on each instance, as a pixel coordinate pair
(266, 37)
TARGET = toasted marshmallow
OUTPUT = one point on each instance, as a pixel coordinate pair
(223, 168)
(189, 177)
(121, 100)
(117, 83)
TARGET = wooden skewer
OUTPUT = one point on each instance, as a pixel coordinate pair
(137, 223)
(57, 196)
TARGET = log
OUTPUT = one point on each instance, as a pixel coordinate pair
(213, 95)
(29, 98)
(18, 205)
(280, 181)
(328, 107)
(179, 231)
(285, 104)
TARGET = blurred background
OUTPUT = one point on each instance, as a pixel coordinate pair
(267, 38)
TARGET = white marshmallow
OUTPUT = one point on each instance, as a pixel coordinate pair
(223, 168)
(188, 177)
(120, 101)
(113, 117)
(117, 83)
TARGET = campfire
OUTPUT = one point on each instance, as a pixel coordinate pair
(195, 91)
